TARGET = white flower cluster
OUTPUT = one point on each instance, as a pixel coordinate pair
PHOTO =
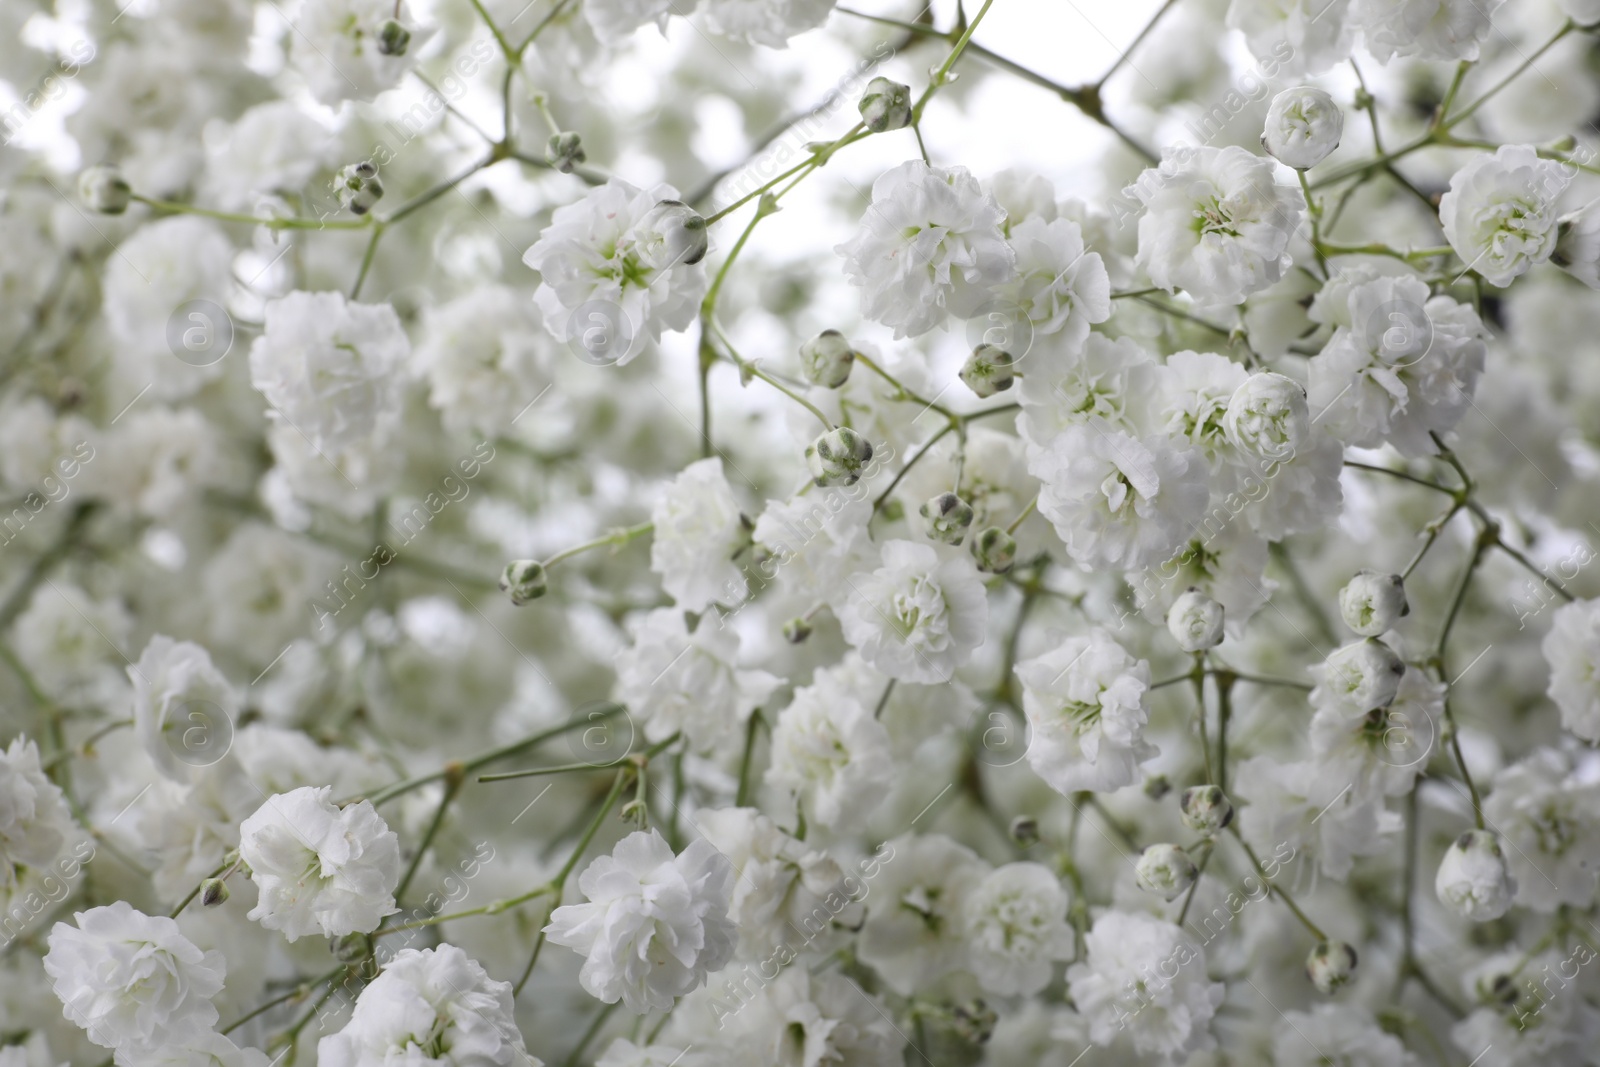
(729, 533)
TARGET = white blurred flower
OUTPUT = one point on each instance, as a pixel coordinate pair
(913, 932)
(337, 47)
(330, 368)
(699, 530)
(1145, 979)
(765, 22)
(1297, 36)
(1016, 928)
(829, 751)
(1473, 880)
(674, 680)
(1426, 29)
(1572, 649)
(184, 710)
(34, 821)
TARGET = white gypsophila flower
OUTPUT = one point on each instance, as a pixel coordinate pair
(1268, 418)
(1024, 194)
(1358, 677)
(70, 640)
(1572, 650)
(183, 708)
(343, 48)
(1062, 288)
(601, 288)
(1549, 818)
(1289, 810)
(434, 1007)
(1105, 383)
(1381, 752)
(677, 681)
(920, 615)
(320, 869)
(1145, 979)
(614, 21)
(1215, 223)
(1119, 501)
(1405, 367)
(699, 530)
(1303, 127)
(1016, 928)
(1426, 29)
(929, 246)
(1336, 1033)
(829, 751)
(1225, 560)
(765, 22)
(34, 821)
(778, 881)
(1297, 36)
(1501, 211)
(189, 829)
(272, 148)
(1189, 407)
(653, 924)
(1087, 706)
(913, 931)
(1473, 880)
(330, 368)
(486, 359)
(157, 270)
(797, 1019)
(815, 542)
(132, 980)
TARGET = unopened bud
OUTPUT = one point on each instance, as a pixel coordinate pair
(974, 1021)
(359, 188)
(1473, 880)
(393, 38)
(1372, 603)
(1330, 965)
(1303, 127)
(946, 518)
(1025, 830)
(795, 631)
(524, 580)
(1365, 674)
(989, 370)
(1157, 786)
(1205, 809)
(103, 189)
(674, 233)
(352, 947)
(994, 550)
(1165, 870)
(565, 151)
(886, 105)
(838, 457)
(213, 891)
(1195, 621)
(826, 359)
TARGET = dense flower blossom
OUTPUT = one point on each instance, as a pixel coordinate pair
(1500, 211)
(918, 616)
